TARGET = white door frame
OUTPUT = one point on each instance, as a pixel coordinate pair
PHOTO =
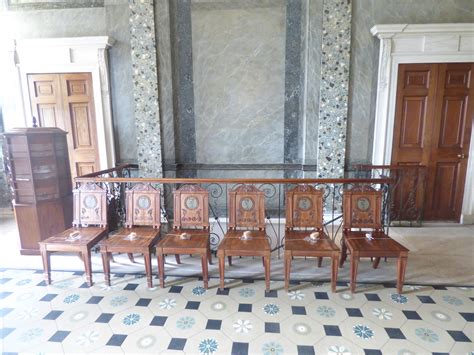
(65, 55)
(428, 43)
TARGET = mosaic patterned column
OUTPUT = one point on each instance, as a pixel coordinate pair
(145, 87)
(335, 61)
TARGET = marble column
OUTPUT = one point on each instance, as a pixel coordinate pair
(334, 92)
(145, 87)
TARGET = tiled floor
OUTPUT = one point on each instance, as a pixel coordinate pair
(69, 317)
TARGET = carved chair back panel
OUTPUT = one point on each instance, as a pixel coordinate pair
(362, 208)
(143, 208)
(191, 207)
(304, 207)
(90, 205)
(247, 208)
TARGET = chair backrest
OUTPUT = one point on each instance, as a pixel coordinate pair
(143, 203)
(191, 207)
(362, 208)
(90, 205)
(246, 208)
(304, 207)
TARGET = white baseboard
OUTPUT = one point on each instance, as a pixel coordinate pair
(467, 218)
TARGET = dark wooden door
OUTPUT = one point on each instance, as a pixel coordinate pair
(433, 122)
(66, 101)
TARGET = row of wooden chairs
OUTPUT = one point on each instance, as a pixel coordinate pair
(363, 234)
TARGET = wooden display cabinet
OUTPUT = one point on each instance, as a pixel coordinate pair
(38, 171)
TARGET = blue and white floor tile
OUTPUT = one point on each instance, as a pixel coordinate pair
(184, 318)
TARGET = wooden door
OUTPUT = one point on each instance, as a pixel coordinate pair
(66, 101)
(433, 122)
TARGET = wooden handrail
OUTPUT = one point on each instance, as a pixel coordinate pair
(84, 179)
(111, 170)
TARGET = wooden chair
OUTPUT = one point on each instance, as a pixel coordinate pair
(304, 235)
(362, 209)
(89, 227)
(190, 234)
(246, 215)
(141, 232)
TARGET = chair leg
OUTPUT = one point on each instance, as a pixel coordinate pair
(267, 273)
(354, 265)
(161, 268)
(320, 261)
(106, 265)
(229, 258)
(149, 276)
(288, 259)
(178, 259)
(209, 256)
(205, 275)
(343, 253)
(376, 263)
(45, 255)
(86, 256)
(402, 265)
(221, 270)
(131, 257)
(334, 269)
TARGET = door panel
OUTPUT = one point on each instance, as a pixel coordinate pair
(66, 101)
(433, 122)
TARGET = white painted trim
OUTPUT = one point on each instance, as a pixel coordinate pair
(68, 55)
(428, 43)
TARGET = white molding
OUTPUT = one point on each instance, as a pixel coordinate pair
(428, 43)
(69, 55)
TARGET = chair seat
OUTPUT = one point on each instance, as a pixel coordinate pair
(378, 247)
(348, 234)
(119, 241)
(255, 234)
(88, 236)
(252, 247)
(322, 246)
(199, 240)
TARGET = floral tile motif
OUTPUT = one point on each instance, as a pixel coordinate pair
(23, 282)
(246, 292)
(363, 332)
(326, 311)
(271, 309)
(208, 346)
(427, 334)
(131, 319)
(87, 338)
(185, 322)
(338, 350)
(398, 298)
(198, 290)
(118, 301)
(168, 303)
(382, 313)
(453, 300)
(296, 295)
(272, 348)
(31, 334)
(71, 298)
(242, 326)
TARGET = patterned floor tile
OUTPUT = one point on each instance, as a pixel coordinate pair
(243, 327)
(428, 336)
(109, 350)
(130, 320)
(272, 344)
(27, 313)
(364, 333)
(337, 346)
(88, 338)
(147, 340)
(302, 330)
(271, 310)
(78, 317)
(383, 314)
(345, 298)
(185, 324)
(402, 346)
(117, 302)
(462, 348)
(208, 342)
(327, 312)
(46, 348)
(218, 307)
(71, 298)
(245, 293)
(454, 301)
(167, 304)
(442, 317)
(29, 336)
(404, 301)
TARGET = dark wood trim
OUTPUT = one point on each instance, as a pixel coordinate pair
(177, 167)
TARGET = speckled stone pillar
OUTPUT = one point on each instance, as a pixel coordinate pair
(334, 92)
(145, 87)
